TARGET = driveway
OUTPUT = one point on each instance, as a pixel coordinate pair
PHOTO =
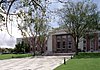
(36, 63)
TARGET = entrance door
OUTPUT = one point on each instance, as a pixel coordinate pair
(61, 44)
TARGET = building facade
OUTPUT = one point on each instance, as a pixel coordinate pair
(30, 41)
(62, 42)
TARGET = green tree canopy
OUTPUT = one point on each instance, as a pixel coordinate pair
(79, 18)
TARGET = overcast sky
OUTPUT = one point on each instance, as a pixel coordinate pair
(9, 41)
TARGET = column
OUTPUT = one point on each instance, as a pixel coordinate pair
(96, 41)
(54, 43)
(87, 42)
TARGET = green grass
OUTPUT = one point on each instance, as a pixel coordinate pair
(9, 56)
(84, 61)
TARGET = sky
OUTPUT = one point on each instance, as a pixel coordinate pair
(7, 41)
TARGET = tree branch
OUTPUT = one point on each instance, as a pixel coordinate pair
(8, 14)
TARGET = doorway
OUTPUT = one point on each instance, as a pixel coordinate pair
(61, 45)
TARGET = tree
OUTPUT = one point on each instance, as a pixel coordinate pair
(18, 48)
(34, 22)
(11, 6)
(2, 18)
(31, 12)
(43, 35)
(79, 19)
(22, 47)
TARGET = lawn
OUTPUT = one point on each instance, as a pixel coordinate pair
(84, 61)
(9, 56)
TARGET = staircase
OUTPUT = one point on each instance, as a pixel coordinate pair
(57, 54)
(63, 54)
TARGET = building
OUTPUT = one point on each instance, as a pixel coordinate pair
(30, 41)
(62, 42)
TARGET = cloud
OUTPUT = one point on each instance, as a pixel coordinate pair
(7, 41)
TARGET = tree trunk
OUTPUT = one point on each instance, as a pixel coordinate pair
(76, 48)
(33, 50)
(76, 41)
(42, 49)
(33, 44)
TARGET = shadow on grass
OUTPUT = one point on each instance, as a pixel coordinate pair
(86, 55)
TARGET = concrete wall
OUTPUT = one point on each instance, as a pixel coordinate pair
(81, 43)
(49, 44)
(19, 40)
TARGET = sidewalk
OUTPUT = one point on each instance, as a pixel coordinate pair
(36, 63)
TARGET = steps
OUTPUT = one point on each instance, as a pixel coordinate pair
(63, 54)
(57, 54)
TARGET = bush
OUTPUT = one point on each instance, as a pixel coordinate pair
(88, 55)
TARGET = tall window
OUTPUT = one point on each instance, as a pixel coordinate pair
(58, 44)
(58, 38)
(69, 44)
(84, 44)
(63, 44)
(69, 38)
(99, 43)
(64, 37)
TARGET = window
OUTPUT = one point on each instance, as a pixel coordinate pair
(98, 34)
(46, 47)
(58, 44)
(99, 40)
(84, 48)
(99, 47)
(36, 49)
(58, 37)
(70, 42)
(63, 44)
(69, 46)
(69, 38)
(64, 37)
(84, 41)
(99, 43)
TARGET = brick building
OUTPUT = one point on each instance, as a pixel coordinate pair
(30, 41)
(62, 42)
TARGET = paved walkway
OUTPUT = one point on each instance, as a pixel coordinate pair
(36, 63)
